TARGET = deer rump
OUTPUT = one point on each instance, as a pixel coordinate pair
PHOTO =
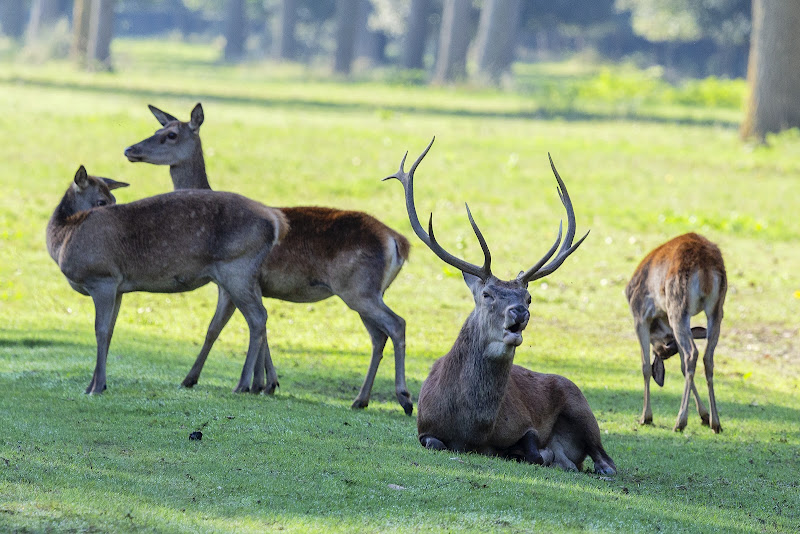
(551, 406)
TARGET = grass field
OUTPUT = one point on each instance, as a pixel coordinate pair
(638, 173)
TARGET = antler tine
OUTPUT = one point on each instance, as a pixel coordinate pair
(567, 248)
(407, 179)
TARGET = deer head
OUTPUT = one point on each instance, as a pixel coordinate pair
(90, 192)
(174, 144)
(501, 306)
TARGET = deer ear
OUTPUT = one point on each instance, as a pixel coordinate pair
(81, 178)
(197, 117)
(658, 371)
(161, 116)
(113, 184)
(473, 282)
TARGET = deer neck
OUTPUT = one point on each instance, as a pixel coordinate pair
(61, 225)
(191, 173)
(484, 368)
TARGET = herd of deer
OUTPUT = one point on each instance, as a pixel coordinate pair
(474, 399)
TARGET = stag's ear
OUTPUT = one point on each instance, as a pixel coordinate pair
(81, 178)
(658, 371)
(197, 118)
(473, 282)
(161, 116)
(113, 184)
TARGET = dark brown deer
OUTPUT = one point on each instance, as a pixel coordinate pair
(165, 244)
(327, 252)
(676, 281)
(475, 399)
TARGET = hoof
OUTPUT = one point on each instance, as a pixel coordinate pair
(679, 427)
(646, 421)
(241, 389)
(717, 428)
(429, 442)
(270, 390)
(358, 404)
(704, 420)
(404, 399)
(189, 382)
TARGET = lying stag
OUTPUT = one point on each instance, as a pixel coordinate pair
(326, 252)
(165, 244)
(475, 399)
(676, 281)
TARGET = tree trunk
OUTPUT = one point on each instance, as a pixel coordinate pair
(454, 37)
(12, 18)
(285, 41)
(101, 31)
(497, 36)
(416, 35)
(81, 13)
(44, 13)
(370, 44)
(346, 18)
(773, 70)
(235, 29)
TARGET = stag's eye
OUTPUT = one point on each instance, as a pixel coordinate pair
(172, 135)
(100, 203)
(487, 295)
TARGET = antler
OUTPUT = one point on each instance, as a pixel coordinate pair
(407, 179)
(567, 248)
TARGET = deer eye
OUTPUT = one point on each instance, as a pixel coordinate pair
(529, 300)
(488, 296)
(100, 203)
(172, 135)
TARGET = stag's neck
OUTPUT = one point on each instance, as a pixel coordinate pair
(190, 174)
(484, 369)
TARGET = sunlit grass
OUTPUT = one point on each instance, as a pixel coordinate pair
(301, 460)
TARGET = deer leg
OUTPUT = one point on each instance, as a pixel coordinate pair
(106, 308)
(429, 442)
(247, 298)
(714, 323)
(688, 351)
(264, 367)
(222, 315)
(382, 323)
(530, 447)
(643, 333)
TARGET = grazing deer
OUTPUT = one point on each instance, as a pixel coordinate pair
(165, 244)
(475, 399)
(676, 281)
(326, 252)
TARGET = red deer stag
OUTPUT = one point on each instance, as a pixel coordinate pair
(326, 252)
(475, 399)
(676, 281)
(106, 249)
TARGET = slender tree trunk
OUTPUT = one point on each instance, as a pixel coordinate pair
(12, 17)
(346, 19)
(81, 13)
(416, 35)
(235, 29)
(773, 70)
(497, 36)
(101, 31)
(285, 41)
(44, 13)
(454, 37)
(370, 44)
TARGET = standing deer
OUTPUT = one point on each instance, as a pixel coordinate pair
(165, 244)
(326, 252)
(475, 399)
(676, 281)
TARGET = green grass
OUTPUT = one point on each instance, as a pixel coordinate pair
(301, 460)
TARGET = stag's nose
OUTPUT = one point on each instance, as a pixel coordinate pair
(518, 314)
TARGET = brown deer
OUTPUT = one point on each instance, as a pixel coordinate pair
(475, 399)
(676, 281)
(165, 244)
(327, 252)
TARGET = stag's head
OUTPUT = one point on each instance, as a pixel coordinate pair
(175, 143)
(501, 306)
(87, 192)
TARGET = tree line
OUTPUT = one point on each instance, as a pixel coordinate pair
(447, 41)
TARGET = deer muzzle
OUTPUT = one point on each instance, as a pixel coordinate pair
(515, 322)
(133, 153)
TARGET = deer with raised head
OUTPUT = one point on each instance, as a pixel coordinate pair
(676, 281)
(168, 243)
(327, 252)
(475, 399)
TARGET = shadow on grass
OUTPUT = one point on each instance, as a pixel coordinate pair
(534, 114)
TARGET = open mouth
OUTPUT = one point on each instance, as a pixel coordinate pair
(512, 334)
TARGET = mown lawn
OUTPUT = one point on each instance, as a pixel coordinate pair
(302, 460)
